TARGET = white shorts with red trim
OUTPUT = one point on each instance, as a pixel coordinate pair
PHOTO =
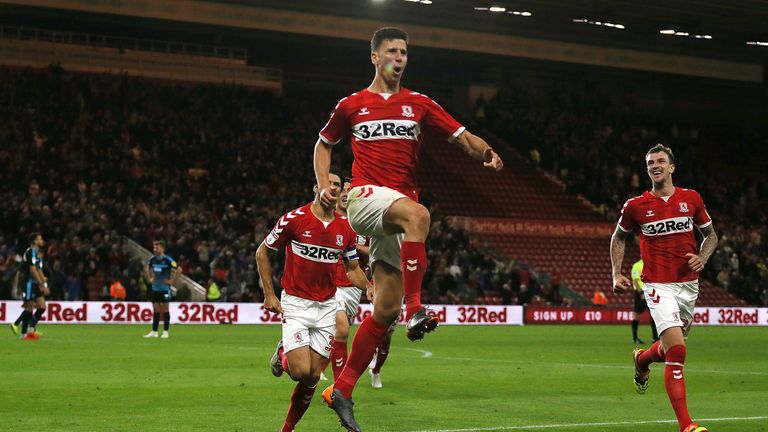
(366, 208)
(672, 304)
(348, 301)
(308, 323)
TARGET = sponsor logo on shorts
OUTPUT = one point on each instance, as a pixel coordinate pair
(667, 226)
(386, 129)
(297, 337)
(675, 316)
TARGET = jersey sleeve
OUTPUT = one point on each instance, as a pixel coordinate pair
(172, 262)
(338, 126)
(700, 216)
(439, 122)
(350, 249)
(636, 272)
(627, 221)
(283, 231)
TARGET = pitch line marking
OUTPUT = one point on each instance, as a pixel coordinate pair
(424, 354)
(572, 425)
(591, 365)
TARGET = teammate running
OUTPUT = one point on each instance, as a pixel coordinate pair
(387, 124)
(665, 219)
(315, 237)
(347, 297)
(640, 304)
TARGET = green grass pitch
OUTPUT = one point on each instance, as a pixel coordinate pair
(216, 378)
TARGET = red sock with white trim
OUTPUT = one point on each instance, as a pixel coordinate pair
(300, 400)
(414, 265)
(675, 384)
(338, 357)
(382, 351)
(363, 346)
(653, 354)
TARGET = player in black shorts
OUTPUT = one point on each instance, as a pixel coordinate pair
(34, 288)
(640, 304)
(162, 271)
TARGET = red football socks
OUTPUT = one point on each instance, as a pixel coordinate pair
(414, 264)
(284, 360)
(382, 351)
(300, 400)
(338, 357)
(675, 384)
(652, 355)
(363, 346)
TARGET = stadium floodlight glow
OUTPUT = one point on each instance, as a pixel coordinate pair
(480, 8)
(598, 23)
(426, 2)
(757, 43)
(497, 9)
(674, 32)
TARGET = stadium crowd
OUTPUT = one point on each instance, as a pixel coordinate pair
(589, 136)
(207, 168)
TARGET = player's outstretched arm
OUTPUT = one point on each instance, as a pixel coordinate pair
(479, 149)
(271, 302)
(618, 245)
(323, 152)
(357, 276)
(708, 246)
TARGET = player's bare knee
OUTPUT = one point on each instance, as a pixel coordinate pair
(387, 315)
(419, 220)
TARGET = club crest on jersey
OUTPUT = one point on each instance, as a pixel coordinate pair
(683, 207)
(407, 111)
(339, 240)
(297, 337)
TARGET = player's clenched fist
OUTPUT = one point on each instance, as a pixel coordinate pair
(492, 160)
(328, 196)
(695, 262)
(272, 304)
(620, 284)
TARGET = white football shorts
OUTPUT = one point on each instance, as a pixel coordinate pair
(366, 208)
(308, 322)
(348, 301)
(672, 304)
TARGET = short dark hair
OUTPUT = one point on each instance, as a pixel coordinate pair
(33, 237)
(658, 148)
(386, 33)
(160, 242)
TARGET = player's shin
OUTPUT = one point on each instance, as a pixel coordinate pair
(338, 357)
(414, 265)
(675, 384)
(363, 346)
(166, 320)
(653, 354)
(382, 351)
(300, 400)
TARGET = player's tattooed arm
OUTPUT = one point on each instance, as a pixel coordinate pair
(479, 149)
(708, 246)
(271, 302)
(618, 245)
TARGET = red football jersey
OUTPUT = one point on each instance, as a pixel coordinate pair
(342, 281)
(313, 249)
(666, 232)
(387, 133)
